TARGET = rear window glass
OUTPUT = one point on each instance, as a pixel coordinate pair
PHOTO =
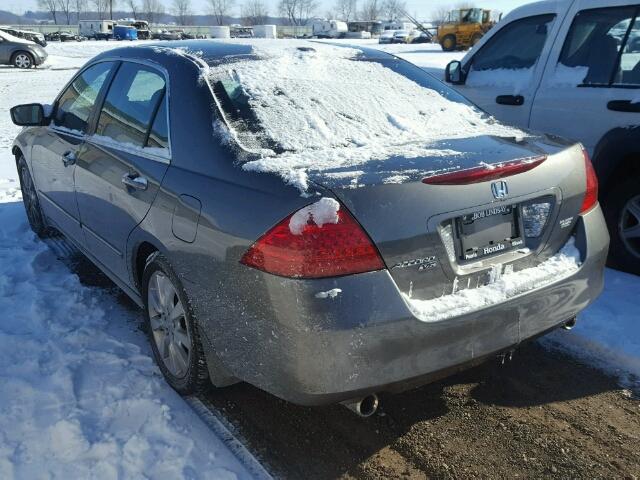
(352, 105)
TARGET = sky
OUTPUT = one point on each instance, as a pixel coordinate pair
(423, 8)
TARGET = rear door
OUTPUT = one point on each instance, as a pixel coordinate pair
(55, 149)
(122, 165)
(504, 73)
(592, 79)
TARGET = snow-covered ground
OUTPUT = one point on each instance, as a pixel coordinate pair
(80, 394)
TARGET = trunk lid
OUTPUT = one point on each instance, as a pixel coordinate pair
(422, 230)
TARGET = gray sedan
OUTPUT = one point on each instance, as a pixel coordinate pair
(19, 52)
(323, 222)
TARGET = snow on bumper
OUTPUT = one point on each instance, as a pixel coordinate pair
(504, 286)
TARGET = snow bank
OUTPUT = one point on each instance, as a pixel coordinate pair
(607, 333)
(503, 286)
(323, 211)
(327, 110)
(81, 397)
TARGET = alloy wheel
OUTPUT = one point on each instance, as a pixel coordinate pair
(629, 225)
(169, 325)
(22, 61)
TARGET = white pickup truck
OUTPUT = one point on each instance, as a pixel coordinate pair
(571, 68)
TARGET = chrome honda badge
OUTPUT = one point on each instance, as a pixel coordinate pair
(500, 189)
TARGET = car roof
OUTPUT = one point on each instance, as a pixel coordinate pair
(211, 50)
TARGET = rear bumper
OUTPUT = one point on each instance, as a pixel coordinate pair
(293, 343)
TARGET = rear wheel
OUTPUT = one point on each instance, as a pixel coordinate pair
(22, 60)
(448, 43)
(172, 329)
(476, 38)
(31, 201)
(622, 211)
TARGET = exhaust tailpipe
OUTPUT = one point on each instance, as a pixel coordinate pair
(569, 324)
(365, 406)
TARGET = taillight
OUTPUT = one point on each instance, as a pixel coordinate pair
(485, 173)
(591, 194)
(301, 248)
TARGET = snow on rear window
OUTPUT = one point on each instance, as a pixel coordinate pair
(321, 106)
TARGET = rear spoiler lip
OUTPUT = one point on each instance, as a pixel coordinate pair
(485, 173)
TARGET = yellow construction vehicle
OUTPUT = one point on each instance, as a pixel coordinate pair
(464, 27)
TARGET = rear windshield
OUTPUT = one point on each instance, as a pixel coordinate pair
(350, 105)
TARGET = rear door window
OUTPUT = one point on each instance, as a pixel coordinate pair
(603, 47)
(630, 58)
(136, 97)
(78, 100)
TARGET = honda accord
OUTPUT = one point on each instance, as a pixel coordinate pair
(323, 222)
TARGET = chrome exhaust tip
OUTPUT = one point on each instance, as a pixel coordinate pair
(365, 406)
(570, 324)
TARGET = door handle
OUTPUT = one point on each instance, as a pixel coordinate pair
(623, 106)
(515, 100)
(135, 181)
(69, 158)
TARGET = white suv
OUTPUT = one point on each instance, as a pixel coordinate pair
(571, 68)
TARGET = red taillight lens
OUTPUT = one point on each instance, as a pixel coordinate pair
(591, 194)
(330, 250)
(485, 173)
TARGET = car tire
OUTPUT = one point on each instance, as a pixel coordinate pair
(31, 201)
(23, 60)
(448, 43)
(172, 329)
(622, 211)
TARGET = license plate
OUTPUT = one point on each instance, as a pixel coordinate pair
(488, 232)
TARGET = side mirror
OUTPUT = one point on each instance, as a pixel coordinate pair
(454, 74)
(29, 115)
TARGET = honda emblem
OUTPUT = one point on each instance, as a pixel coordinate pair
(500, 189)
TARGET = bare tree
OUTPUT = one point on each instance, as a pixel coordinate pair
(101, 7)
(297, 12)
(50, 6)
(80, 6)
(182, 10)
(254, 12)
(220, 9)
(393, 9)
(66, 7)
(346, 10)
(152, 10)
(133, 7)
(371, 10)
(439, 16)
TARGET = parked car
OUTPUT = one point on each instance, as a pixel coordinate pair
(402, 36)
(423, 37)
(19, 52)
(323, 263)
(386, 36)
(61, 36)
(571, 68)
(167, 35)
(35, 37)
